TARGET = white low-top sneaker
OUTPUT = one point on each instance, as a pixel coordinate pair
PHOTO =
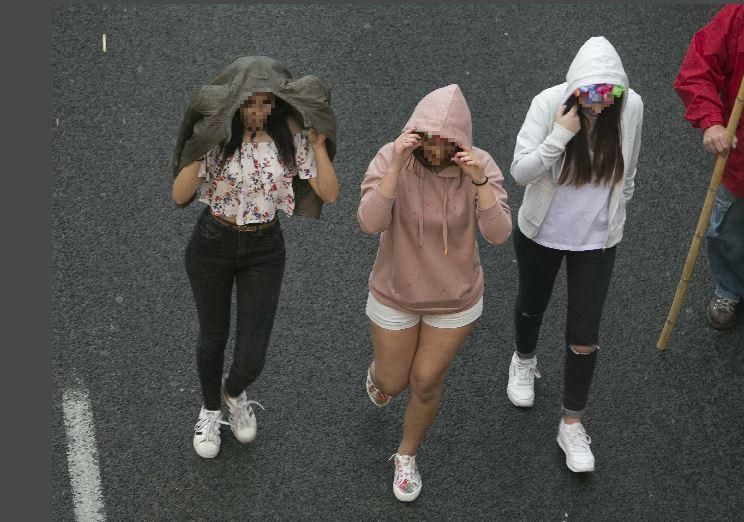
(407, 479)
(574, 441)
(207, 433)
(242, 419)
(521, 387)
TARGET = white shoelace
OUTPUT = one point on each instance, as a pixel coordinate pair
(579, 439)
(525, 373)
(406, 470)
(209, 426)
(244, 410)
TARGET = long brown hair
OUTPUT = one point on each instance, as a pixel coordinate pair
(607, 165)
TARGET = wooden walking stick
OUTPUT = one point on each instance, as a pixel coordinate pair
(692, 255)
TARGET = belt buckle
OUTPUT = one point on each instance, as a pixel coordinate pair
(254, 227)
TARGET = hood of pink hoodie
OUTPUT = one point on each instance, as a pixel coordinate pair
(445, 113)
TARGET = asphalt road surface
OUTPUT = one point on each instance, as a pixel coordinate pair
(667, 427)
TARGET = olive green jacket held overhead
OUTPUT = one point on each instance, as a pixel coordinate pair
(207, 121)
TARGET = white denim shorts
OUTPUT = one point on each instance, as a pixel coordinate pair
(392, 319)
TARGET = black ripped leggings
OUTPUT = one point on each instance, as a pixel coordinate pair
(588, 279)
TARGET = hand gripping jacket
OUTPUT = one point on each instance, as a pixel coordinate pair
(208, 117)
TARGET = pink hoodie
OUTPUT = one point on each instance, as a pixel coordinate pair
(428, 261)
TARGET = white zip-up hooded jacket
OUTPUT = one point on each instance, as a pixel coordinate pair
(540, 149)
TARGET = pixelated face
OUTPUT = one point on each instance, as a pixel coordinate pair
(257, 108)
(595, 108)
(597, 98)
(437, 150)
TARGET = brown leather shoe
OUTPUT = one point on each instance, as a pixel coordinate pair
(721, 313)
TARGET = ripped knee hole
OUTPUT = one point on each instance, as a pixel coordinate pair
(585, 350)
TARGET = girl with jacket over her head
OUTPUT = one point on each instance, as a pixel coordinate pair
(426, 194)
(576, 153)
(244, 180)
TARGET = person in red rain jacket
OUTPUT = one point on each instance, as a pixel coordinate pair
(708, 82)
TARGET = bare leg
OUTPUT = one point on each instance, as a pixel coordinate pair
(437, 348)
(393, 355)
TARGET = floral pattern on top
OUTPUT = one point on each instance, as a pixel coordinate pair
(254, 183)
(407, 477)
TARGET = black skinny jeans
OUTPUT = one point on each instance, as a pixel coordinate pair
(215, 257)
(588, 277)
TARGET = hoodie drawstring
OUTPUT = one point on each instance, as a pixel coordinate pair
(444, 217)
(421, 213)
(444, 213)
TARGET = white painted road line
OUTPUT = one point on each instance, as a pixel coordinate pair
(82, 457)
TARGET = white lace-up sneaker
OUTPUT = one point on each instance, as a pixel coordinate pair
(207, 433)
(574, 441)
(521, 387)
(242, 419)
(407, 479)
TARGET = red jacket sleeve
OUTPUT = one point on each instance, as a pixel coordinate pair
(708, 61)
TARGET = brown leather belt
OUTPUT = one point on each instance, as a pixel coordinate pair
(251, 227)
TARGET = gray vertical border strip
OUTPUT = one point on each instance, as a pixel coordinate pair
(26, 285)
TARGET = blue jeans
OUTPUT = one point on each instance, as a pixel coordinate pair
(726, 244)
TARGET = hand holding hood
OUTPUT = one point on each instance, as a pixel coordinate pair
(444, 112)
(428, 260)
(540, 146)
(208, 118)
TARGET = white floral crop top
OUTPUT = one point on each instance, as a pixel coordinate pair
(253, 184)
